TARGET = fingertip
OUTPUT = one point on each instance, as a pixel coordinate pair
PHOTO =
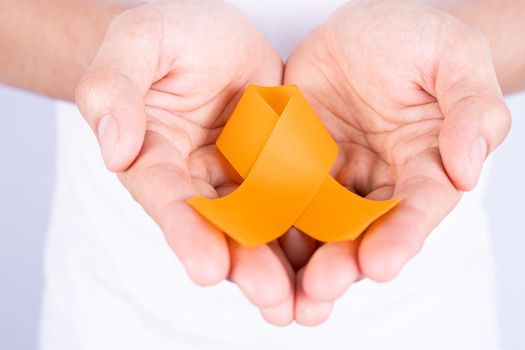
(310, 312)
(260, 274)
(381, 266)
(331, 271)
(473, 128)
(200, 247)
(118, 149)
(280, 315)
(389, 243)
(209, 265)
(114, 108)
(463, 162)
(124, 154)
(455, 150)
(477, 156)
(276, 320)
(267, 294)
(108, 136)
(207, 273)
(327, 289)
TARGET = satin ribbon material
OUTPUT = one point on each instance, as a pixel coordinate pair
(279, 146)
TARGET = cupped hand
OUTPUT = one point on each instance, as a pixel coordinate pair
(411, 97)
(157, 94)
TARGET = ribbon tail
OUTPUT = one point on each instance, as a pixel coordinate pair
(336, 214)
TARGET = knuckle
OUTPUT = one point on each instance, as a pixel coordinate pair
(93, 86)
(85, 92)
(99, 86)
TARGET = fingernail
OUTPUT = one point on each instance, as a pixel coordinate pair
(478, 153)
(108, 135)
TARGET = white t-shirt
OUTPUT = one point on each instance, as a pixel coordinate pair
(113, 283)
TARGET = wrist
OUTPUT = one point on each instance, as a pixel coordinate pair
(91, 27)
(500, 23)
(45, 46)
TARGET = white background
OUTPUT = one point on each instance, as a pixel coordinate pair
(26, 178)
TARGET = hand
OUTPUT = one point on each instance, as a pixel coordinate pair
(411, 96)
(157, 94)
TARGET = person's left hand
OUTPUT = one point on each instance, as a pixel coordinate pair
(411, 96)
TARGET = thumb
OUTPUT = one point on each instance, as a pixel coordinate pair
(110, 95)
(472, 129)
(476, 120)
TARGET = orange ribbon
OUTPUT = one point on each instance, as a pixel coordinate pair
(279, 146)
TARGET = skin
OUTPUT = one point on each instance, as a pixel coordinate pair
(411, 96)
(158, 89)
(34, 52)
(499, 22)
(157, 98)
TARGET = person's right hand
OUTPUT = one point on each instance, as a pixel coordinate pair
(157, 94)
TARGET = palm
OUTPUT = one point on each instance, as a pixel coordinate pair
(384, 85)
(385, 122)
(388, 142)
(179, 90)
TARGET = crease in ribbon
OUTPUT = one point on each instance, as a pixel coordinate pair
(279, 146)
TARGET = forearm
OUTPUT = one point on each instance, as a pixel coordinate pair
(502, 24)
(45, 45)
